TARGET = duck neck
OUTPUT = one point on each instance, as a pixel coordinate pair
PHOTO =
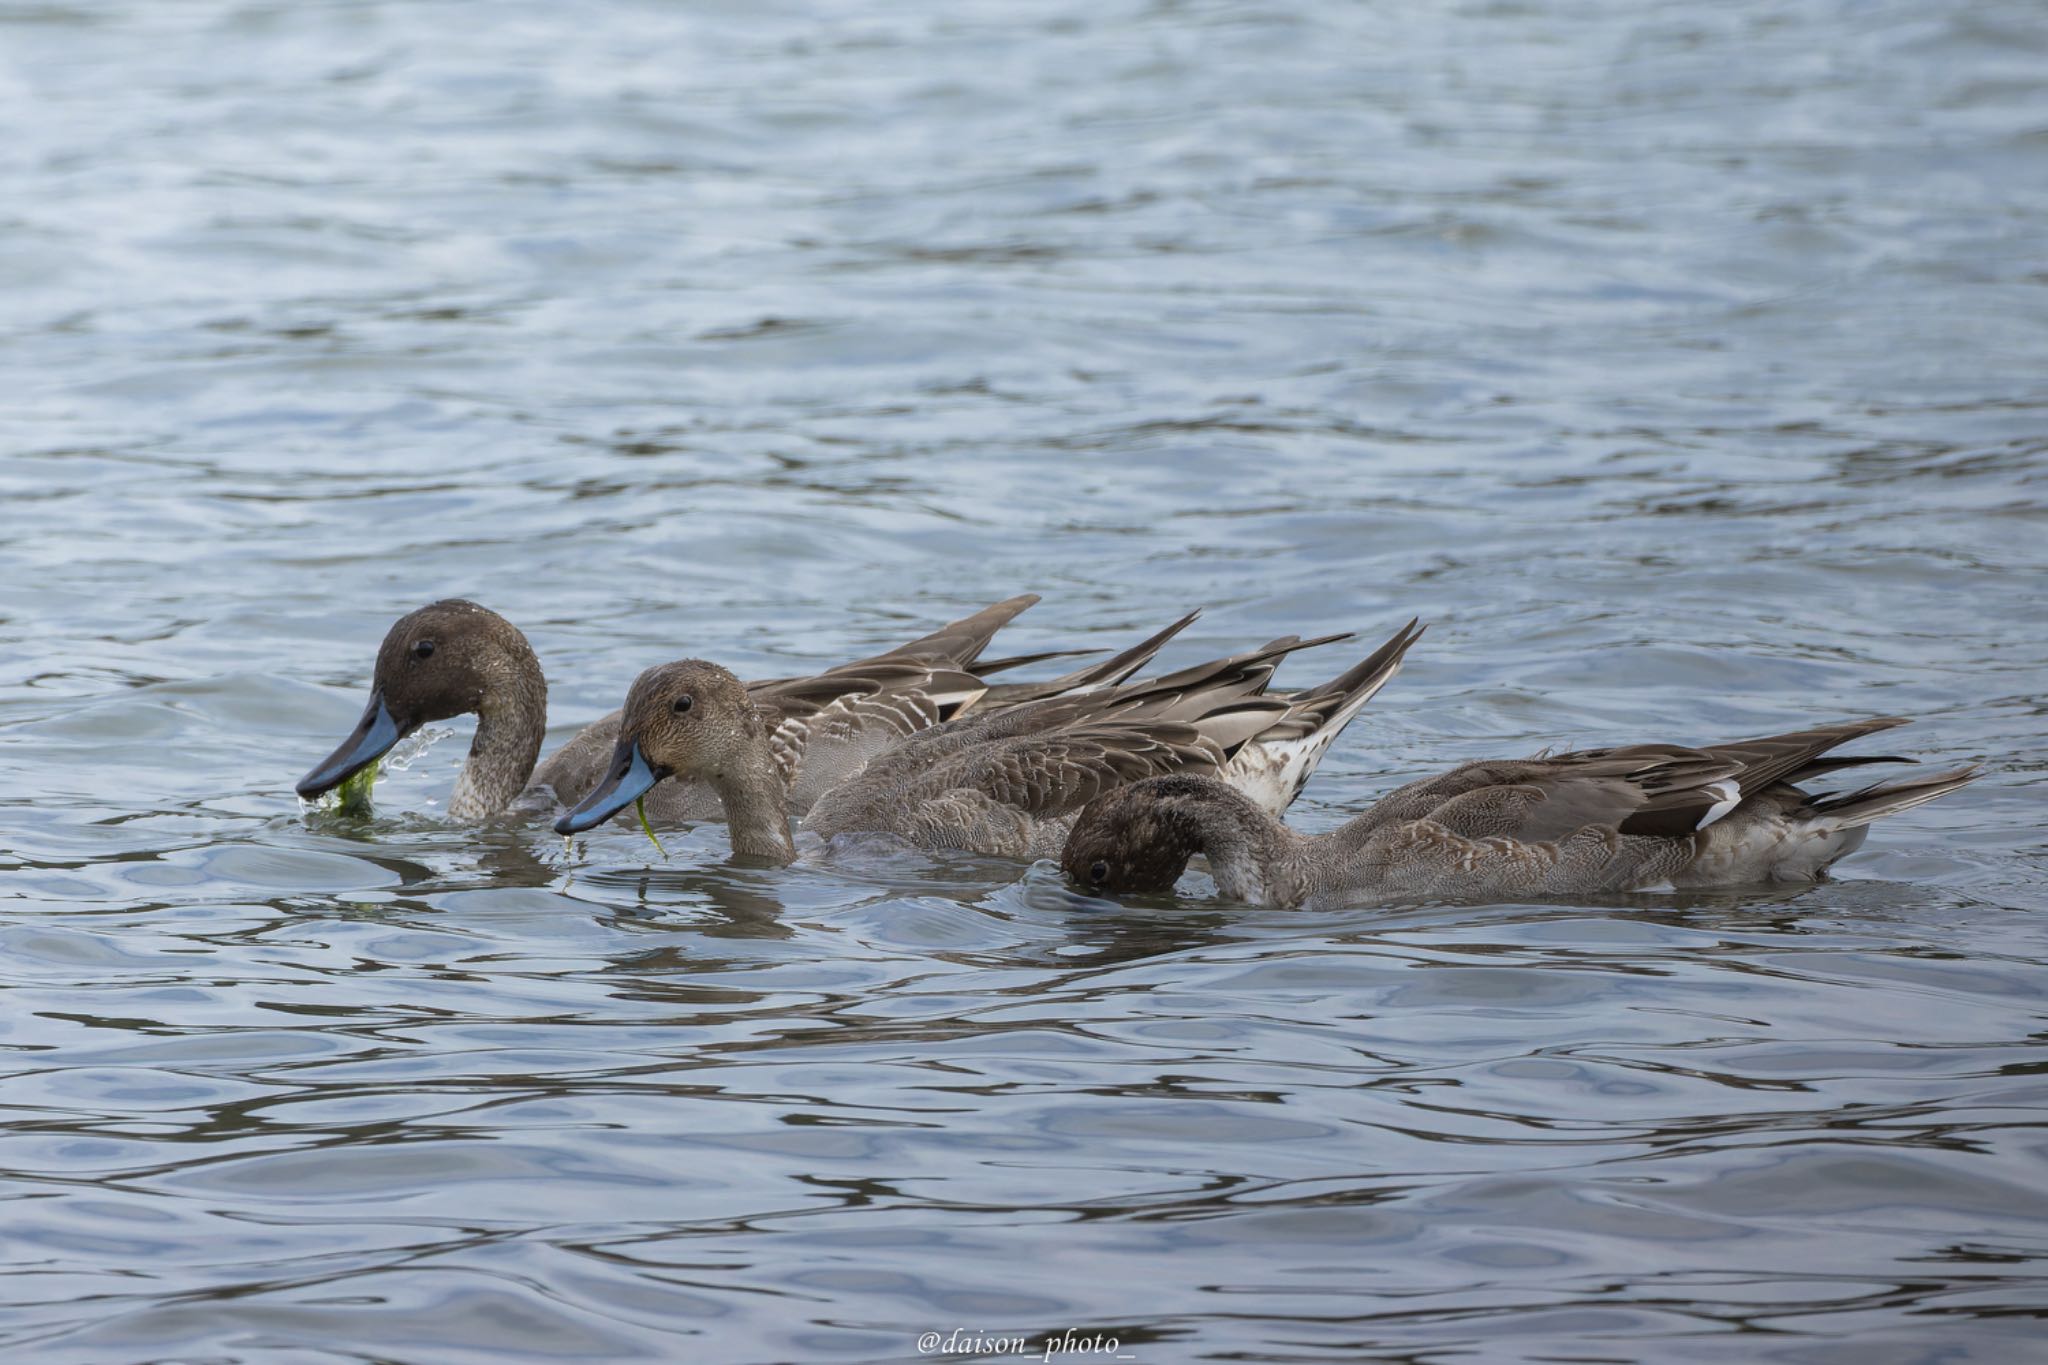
(756, 806)
(511, 722)
(1245, 846)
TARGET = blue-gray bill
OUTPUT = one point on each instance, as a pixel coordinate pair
(629, 778)
(372, 738)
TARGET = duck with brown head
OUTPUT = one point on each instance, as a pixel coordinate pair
(1003, 784)
(455, 658)
(1006, 783)
(695, 720)
(448, 659)
(1140, 838)
(1641, 817)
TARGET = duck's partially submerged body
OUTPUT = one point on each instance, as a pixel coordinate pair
(1600, 821)
(1007, 782)
(823, 729)
(454, 657)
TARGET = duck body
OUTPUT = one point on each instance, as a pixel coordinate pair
(1014, 783)
(1007, 782)
(822, 730)
(455, 657)
(1600, 821)
(1016, 795)
(1002, 784)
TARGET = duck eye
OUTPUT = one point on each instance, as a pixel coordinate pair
(422, 649)
(1098, 872)
(683, 705)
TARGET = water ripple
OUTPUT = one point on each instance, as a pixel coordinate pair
(1682, 367)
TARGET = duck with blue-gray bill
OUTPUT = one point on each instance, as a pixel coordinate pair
(454, 657)
(1007, 783)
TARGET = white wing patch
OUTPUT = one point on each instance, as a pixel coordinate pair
(950, 702)
(1727, 796)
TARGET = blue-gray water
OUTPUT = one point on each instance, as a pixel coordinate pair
(1685, 365)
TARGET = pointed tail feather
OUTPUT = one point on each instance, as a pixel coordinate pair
(1835, 762)
(1274, 770)
(984, 667)
(959, 643)
(1774, 758)
(1118, 670)
(1265, 656)
(1198, 690)
(1889, 798)
(1178, 697)
(1331, 706)
(1109, 673)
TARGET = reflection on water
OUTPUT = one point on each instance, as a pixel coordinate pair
(1683, 367)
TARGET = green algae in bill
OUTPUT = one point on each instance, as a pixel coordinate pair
(640, 809)
(354, 794)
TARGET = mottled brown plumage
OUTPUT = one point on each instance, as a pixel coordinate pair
(1005, 783)
(1601, 820)
(825, 726)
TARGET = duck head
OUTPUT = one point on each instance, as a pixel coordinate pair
(1136, 838)
(446, 659)
(688, 719)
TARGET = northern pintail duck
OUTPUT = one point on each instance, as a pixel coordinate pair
(1645, 817)
(454, 657)
(1007, 783)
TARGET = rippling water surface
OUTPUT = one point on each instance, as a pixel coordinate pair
(1686, 366)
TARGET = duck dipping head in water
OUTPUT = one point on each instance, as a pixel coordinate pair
(1637, 817)
(1139, 838)
(448, 659)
